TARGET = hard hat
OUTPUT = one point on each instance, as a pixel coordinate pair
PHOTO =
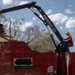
(67, 33)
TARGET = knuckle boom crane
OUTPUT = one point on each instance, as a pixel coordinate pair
(61, 47)
(46, 20)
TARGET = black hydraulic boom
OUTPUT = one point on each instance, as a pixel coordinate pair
(45, 19)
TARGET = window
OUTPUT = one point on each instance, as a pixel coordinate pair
(22, 63)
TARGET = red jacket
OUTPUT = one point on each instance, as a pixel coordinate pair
(69, 38)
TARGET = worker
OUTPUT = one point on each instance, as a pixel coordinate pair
(68, 40)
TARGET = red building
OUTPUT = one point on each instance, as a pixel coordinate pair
(16, 58)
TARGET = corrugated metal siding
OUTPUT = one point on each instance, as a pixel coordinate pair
(42, 63)
(62, 64)
(72, 63)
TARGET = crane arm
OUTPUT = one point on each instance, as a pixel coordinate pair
(28, 5)
(46, 20)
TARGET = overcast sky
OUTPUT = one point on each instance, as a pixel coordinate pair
(61, 12)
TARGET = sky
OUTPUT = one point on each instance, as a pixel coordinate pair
(61, 12)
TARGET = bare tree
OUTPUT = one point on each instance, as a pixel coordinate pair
(37, 40)
(42, 43)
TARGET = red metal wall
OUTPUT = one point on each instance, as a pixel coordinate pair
(42, 63)
(62, 63)
(72, 63)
